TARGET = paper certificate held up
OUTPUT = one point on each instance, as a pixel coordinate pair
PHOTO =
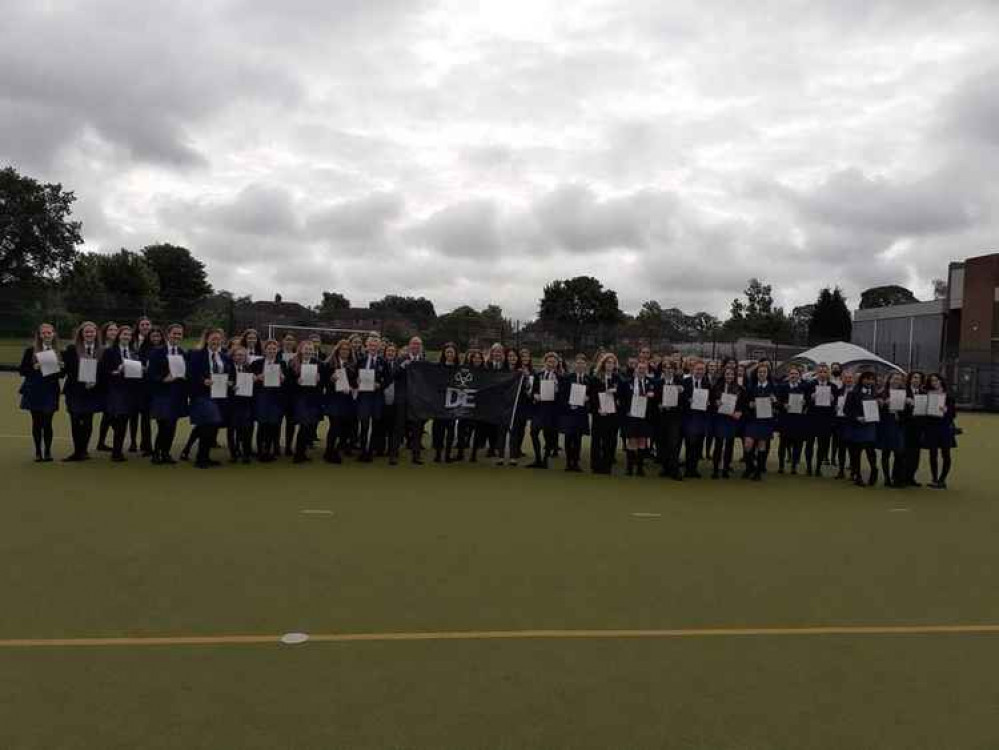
(871, 411)
(823, 395)
(177, 366)
(244, 383)
(342, 381)
(309, 375)
(920, 405)
(795, 403)
(699, 399)
(607, 405)
(390, 394)
(272, 376)
(840, 406)
(936, 404)
(671, 396)
(365, 380)
(547, 390)
(220, 385)
(48, 362)
(577, 394)
(87, 372)
(727, 404)
(639, 404)
(764, 407)
(132, 369)
(896, 399)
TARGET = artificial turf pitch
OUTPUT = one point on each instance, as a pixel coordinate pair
(100, 550)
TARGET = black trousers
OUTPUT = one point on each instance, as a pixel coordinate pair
(912, 451)
(723, 450)
(670, 439)
(938, 472)
(573, 449)
(517, 436)
(140, 425)
(206, 436)
(119, 426)
(603, 444)
(443, 434)
(694, 448)
(268, 440)
(166, 430)
(82, 428)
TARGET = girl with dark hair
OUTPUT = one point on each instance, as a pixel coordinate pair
(372, 376)
(469, 434)
(636, 424)
(521, 360)
(82, 388)
(108, 339)
(545, 396)
(122, 370)
(289, 350)
(862, 412)
(207, 366)
(891, 429)
(696, 420)
(728, 401)
(821, 413)
(574, 420)
(792, 396)
(443, 430)
(145, 340)
(340, 377)
(239, 406)
(269, 403)
(913, 427)
(250, 340)
(669, 391)
(604, 404)
(383, 425)
(168, 383)
(761, 400)
(939, 433)
(42, 367)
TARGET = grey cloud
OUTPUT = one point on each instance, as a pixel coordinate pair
(362, 219)
(465, 229)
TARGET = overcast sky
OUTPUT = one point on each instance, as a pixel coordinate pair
(471, 151)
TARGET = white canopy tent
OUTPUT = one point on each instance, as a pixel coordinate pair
(850, 356)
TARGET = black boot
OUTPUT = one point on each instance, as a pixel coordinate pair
(750, 469)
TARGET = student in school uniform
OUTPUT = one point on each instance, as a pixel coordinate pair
(491, 433)
(470, 431)
(145, 338)
(382, 426)
(913, 430)
(239, 406)
(123, 393)
(169, 388)
(505, 449)
(406, 430)
(443, 429)
(842, 427)
(759, 428)
(696, 418)
(268, 402)
(836, 378)
(862, 431)
(83, 394)
(670, 423)
(545, 412)
(525, 403)
(108, 339)
(792, 400)
(369, 404)
(574, 419)
(206, 412)
(891, 430)
(603, 442)
(306, 397)
(340, 378)
(821, 414)
(635, 394)
(250, 340)
(289, 351)
(939, 432)
(725, 423)
(40, 392)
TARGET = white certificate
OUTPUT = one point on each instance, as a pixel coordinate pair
(341, 381)
(607, 403)
(764, 407)
(390, 394)
(272, 375)
(365, 380)
(871, 411)
(728, 403)
(840, 406)
(795, 403)
(48, 361)
(244, 383)
(309, 375)
(547, 390)
(87, 371)
(823, 395)
(896, 399)
(133, 369)
(699, 399)
(220, 385)
(920, 405)
(671, 396)
(936, 404)
(639, 404)
(577, 394)
(177, 365)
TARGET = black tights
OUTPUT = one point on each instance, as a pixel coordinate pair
(165, 431)
(82, 428)
(102, 431)
(939, 473)
(119, 426)
(205, 435)
(268, 440)
(41, 433)
(443, 435)
(139, 426)
(872, 459)
(723, 449)
(573, 449)
(551, 441)
(240, 441)
(893, 466)
(289, 437)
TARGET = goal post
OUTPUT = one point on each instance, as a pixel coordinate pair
(326, 335)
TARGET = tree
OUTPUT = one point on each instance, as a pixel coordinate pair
(756, 315)
(886, 296)
(331, 304)
(831, 320)
(420, 310)
(801, 320)
(181, 277)
(939, 289)
(130, 285)
(217, 310)
(37, 239)
(83, 288)
(574, 306)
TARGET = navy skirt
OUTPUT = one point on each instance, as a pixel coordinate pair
(632, 427)
(574, 421)
(169, 401)
(864, 433)
(40, 394)
(121, 400)
(370, 404)
(938, 433)
(760, 429)
(794, 426)
(545, 415)
(307, 406)
(338, 406)
(83, 400)
(269, 405)
(696, 423)
(891, 434)
(206, 411)
(724, 427)
(239, 411)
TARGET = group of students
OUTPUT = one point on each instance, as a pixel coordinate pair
(271, 396)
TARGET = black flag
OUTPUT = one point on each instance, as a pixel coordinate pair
(436, 392)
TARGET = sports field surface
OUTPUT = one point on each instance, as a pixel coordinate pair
(470, 606)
